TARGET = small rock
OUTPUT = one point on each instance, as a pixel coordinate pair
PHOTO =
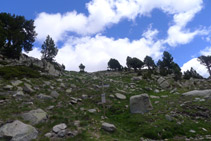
(164, 96)
(156, 91)
(120, 96)
(16, 83)
(69, 90)
(92, 110)
(44, 97)
(54, 94)
(156, 102)
(27, 88)
(84, 96)
(59, 127)
(50, 107)
(168, 117)
(192, 131)
(108, 127)
(48, 135)
(154, 97)
(8, 87)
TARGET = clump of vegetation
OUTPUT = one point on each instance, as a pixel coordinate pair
(9, 72)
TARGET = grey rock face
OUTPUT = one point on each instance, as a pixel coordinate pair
(201, 93)
(18, 131)
(108, 127)
(35, 116)
(120, 96)
(140, 104)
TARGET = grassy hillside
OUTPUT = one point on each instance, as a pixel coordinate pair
(173, 117)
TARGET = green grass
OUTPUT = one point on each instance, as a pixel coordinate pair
(10, 72)
(130, 127)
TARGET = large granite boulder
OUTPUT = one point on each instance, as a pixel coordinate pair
(163, 83)
(140, 104)
(18, 131)
(201, 93)
(35, 116)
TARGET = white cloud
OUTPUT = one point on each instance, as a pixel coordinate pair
(195, 64)
(95, 52)
(34, 53)
(206, 51)
(104, 13)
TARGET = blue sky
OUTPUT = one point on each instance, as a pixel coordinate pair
(92, 32)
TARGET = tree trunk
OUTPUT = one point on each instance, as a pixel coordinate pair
(209, 70)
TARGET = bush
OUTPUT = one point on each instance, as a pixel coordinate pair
(10, 72)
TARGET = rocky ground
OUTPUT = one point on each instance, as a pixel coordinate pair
(69, 107)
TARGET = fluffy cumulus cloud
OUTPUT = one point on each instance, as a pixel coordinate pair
(195, 64)
(95, 52)
(104, 13)
(94, 49)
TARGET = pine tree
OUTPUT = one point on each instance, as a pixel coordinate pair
(49, 50)
(16, 33)
(206, 61)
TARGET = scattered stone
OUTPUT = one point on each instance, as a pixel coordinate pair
(35, 116)
(48, 135)
(192, 131)
(168, 117)
(140, 104)
(156, 102)
(59, 127)
(156, 91)
(18, 94)
(8, 87)
(54, 94)
(69, 90)
(28, 88)
(73, 86)
(208, 137)
(111, 96)
(201, 93)
(92, 110)
(204, 129)
(50, 107)
(16, 83)
(108, 127)
(154, 97)
(137, 78)
(164, 96)
(44, 97)
(120, 96)
(62, 85)
(18, 131)
(84, 96)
